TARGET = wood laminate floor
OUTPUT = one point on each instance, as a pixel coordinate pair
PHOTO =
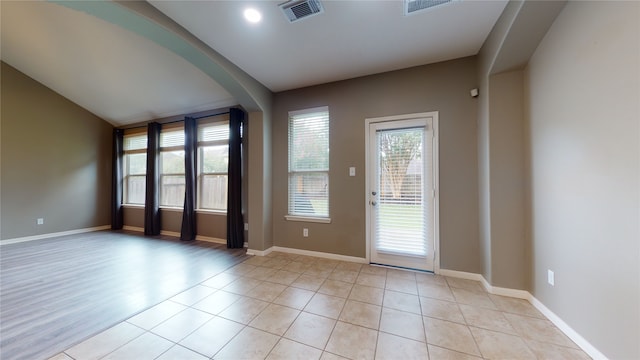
(56, 292)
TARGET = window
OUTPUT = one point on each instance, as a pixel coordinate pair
(309, 163)
(135, 168)
(213, 164)
(172, 178)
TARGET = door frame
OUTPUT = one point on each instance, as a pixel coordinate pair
(436, 183)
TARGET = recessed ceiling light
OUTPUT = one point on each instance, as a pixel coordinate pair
(252, 15)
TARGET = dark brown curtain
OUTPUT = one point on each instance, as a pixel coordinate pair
(188, 230)
(117, 217)
(151, 200)
(235, 223)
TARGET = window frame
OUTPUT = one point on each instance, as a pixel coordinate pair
(201, 144)
(125, 164)
(291, 216)
(168, 128)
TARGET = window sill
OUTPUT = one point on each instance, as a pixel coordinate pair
(212, 212)
(311, 219)
(172, 209)
(132, 206)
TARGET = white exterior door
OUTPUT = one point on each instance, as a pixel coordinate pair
(402, 191)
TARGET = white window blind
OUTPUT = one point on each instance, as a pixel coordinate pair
(309, 162)
(135, 168)
(213, 164)
(172, 179)
(209, 132)
(400, 224)
(172, 138)
(135, 142)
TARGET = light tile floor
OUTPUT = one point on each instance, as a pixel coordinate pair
(285, 306)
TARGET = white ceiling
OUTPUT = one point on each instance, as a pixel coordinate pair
(116, 74)
(125, 78)
(351, 38)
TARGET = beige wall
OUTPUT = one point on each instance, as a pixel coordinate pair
(509, 260)
(583, 99)
(259, 181)
(503, 212)
(442, 87)
(56, 161)
(208, 224)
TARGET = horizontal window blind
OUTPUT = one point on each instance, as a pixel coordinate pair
(135, 142)
(210, 132)
(172, 138)
(309, 141)
(172, 180)
(135, 168)
(213, 159)
(309, 162)
(400, 224)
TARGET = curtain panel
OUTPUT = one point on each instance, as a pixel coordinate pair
(152, 201)
(188, 229)
(235, 223)
(117, 215)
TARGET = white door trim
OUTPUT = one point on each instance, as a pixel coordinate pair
(436, 184)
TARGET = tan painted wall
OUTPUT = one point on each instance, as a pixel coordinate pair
(503, 212)
(442, 87)
(259, 181)
(509, 261)
(56, 161)
(583, 101)
(209, 225)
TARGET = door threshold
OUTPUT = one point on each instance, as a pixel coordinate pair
(402, 268)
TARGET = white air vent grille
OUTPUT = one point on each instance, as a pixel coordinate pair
(412, 6)
(298, 10)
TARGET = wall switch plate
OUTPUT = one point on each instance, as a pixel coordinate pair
(305, 232)
(352, 171)
(551, 278)
(40, 221)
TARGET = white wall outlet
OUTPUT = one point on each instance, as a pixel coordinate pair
(352, 171)
(40, 221)
(246, 226)
(551, 278)
(305, 232)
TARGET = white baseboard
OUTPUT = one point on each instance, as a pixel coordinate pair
(177, 234)
(523, 294)
(567, 330)
(514, 293)
(308, 253)
(211, 239)
(50, 235)
(169, 233)
(133, 228)
(259, 252)
(462, 275)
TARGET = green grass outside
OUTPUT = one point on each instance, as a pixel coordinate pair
(392, 216)
(395, 216)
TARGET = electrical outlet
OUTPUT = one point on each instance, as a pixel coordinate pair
(40, 221)
(246, 226)
(550, 278)
(305, 232)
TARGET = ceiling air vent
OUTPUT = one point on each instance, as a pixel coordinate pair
(411, 6)
(298, 10)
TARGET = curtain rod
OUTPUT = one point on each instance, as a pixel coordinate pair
(174, 121)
